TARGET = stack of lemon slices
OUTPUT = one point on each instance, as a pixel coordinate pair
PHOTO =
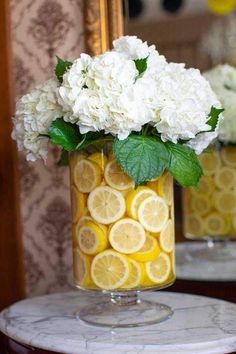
(210, 209)
(123, 238)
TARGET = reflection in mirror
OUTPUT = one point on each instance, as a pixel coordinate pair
(187, 31)
(201, 34)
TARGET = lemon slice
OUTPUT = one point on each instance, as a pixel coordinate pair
(99, 158)
(225, 178)
(103, 227)
(205, 186)
(78, 201)
(201, 204)
(216, 224)
(136, 275)
(92, 239)
(153, 214)
(153, 185)
(110, 270)
(159, 270)
(83, 221)
(126, 192)
(135, 198)
(149, 251)
(73, 234)
(81, 267)
(116, 178)
(167, 237)
(210, 163)
(228, 155)
(87, 175)
(74, 157)
(225, 202)
(165, 187)
(106, 205)
(127, 236)
(147, 282)
(194, 225)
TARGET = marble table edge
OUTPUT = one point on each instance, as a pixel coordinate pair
(226, 345)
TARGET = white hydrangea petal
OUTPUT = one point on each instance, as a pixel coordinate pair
(34, 114)
(222, 79)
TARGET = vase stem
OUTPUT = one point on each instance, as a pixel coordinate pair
(125, 299)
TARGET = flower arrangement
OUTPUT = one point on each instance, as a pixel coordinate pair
(157, 115)
(222, 79)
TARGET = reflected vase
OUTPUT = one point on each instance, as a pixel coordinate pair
(123, 239)
(209, 210)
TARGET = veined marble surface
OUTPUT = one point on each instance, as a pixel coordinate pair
(199, 325)
(192, 262)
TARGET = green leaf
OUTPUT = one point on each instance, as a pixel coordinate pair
(64, 159)
(214, 117)
(61, 67)
(227, 87)
(184, 165)
(142, 157)
(67, 135)
(95, 139)
(141, 66)
(64, 134)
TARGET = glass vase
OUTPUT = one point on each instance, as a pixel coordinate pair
(123, 239)
(209, 210)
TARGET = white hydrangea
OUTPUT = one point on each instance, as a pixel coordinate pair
(74, 80)
(202, 141)
(183, 105)
(34, 114)
(222, 79)
(109, 98)
(106, 93)
(132, 47)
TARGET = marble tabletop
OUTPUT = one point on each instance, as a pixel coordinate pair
(192, 263)
(200, 325)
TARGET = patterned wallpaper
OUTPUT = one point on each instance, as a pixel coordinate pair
(42, 29)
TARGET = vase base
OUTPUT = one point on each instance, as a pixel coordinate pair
(215, 251)
(121, 313)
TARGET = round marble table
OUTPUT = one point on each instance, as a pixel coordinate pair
(199, 325)
(192, 265)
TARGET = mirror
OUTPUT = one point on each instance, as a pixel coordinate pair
(185, 31)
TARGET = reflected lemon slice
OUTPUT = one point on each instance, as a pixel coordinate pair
(225, 178)
(210, 163)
